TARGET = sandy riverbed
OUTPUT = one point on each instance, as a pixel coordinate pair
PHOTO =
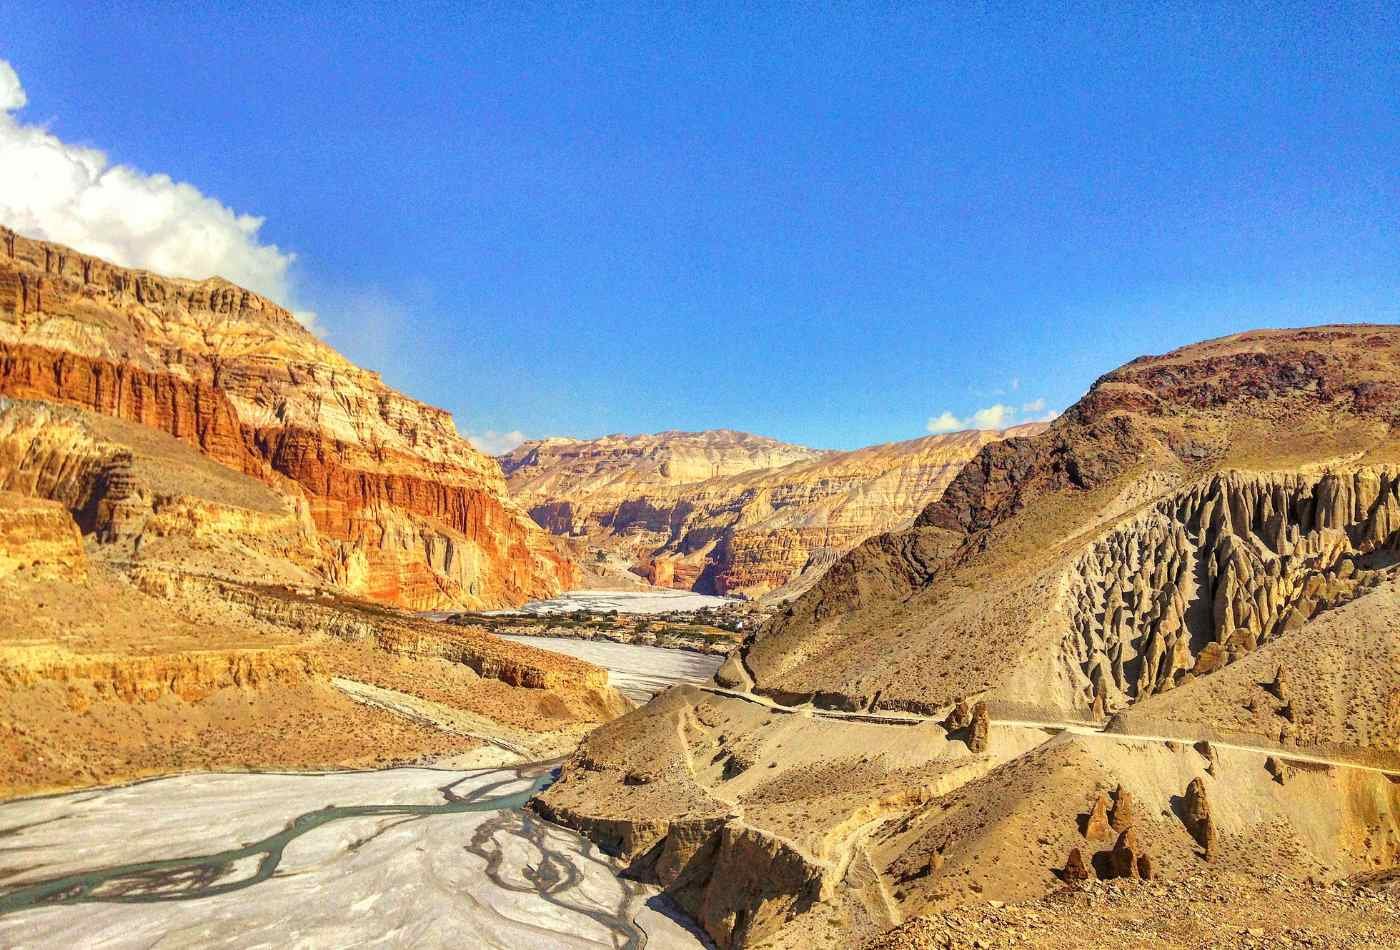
(654, 601)
(400, 857)
(638, 672)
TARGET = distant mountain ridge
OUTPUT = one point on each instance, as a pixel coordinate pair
(729, 512)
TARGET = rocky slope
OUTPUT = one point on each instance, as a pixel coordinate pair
(405, 511)
(725, 512)
(161, 612)
(1153, 641)
(1249, 913)
(38, 538)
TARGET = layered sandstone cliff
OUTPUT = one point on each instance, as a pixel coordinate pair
(1184, 588)
(405, 510)
(160, 611)
(725, 512)
(597, 473)
(39, 538)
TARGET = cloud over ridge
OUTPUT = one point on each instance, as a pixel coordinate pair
(74, 195)
(492, 442)
(996, 416)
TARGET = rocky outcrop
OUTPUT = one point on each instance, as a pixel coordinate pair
(1207, 751)
(1281, 771)
(1196, 816)
(1076, 868)
(39, 539)
(1113, 820)
(728, 512)
(1097, 826)
(488, 656)
(406, 511)
(1126, 855)
(979, 730)
(737, 882)
(137, 491)
(1124, 812)
(186, 676)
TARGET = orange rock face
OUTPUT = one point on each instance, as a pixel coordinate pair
(407, 511)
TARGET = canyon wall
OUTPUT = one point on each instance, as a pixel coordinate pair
(406, 511)
(731, 513)
(160, 612)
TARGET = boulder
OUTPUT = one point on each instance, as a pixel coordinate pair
(1097, 827)
(1208, 752)
(960, 717)
(1279, 769)
(1076, 868)
(1197, 817)
(979, 730)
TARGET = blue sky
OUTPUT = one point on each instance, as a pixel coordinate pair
(829, 226)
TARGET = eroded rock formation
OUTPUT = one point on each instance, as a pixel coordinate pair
(1196, 815)
(1211, 572)
(39, 538)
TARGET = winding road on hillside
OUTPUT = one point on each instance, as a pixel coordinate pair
(1061, 726)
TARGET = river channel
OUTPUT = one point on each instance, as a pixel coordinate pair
(396, 857)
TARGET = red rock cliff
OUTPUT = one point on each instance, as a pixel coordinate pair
(408, 512)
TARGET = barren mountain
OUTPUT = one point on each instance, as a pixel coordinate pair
(1156, 640)
(405, 510)
(196, 499)
(726, 512)
(605, 472)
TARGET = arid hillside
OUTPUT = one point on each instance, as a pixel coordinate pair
(727, 512)
(1155, 641)
(160, 612)
(405, 511)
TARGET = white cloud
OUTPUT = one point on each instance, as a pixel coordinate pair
(12, 95)
(996, 416)
(311, 320)
(74, 195)
(495, 443)
(947, 422)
